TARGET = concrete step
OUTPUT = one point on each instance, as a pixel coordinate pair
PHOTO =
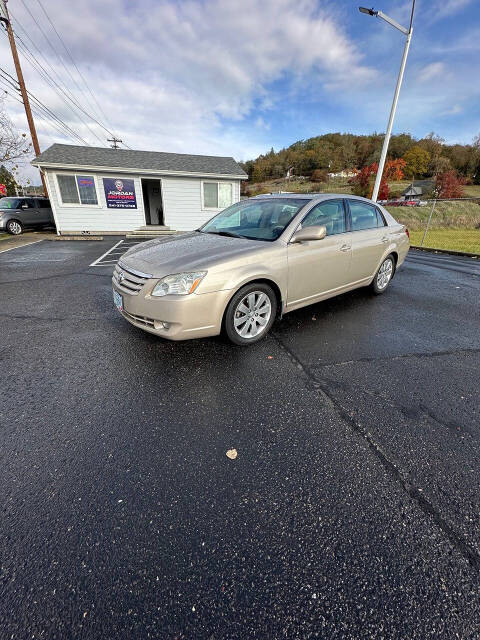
(154, 227)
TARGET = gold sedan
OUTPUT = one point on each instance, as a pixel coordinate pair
(256, 261)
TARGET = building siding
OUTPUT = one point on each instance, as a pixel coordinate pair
(182, 205)
(182, 202)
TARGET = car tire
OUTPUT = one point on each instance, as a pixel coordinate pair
(383, 276)
(250, 314)
(14, 227)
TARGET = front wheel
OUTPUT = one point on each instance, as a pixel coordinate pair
(383, 276)
(14, 227)
(250, 314)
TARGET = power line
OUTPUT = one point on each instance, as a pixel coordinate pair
(39, 115)
(64, 66)
(73, 61)
(74, 113)
(57, 88)
(13, 83)
(45, 61)
(67, 99)
(53, 48)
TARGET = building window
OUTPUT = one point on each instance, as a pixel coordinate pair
(217, 195)
(77, 189)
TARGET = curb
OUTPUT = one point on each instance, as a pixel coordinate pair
(60, 238)
(447, 251)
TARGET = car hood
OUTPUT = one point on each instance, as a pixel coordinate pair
(185, 252)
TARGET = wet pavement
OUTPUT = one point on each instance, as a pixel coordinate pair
(350, 511)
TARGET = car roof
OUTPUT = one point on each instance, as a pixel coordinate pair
(309, 196)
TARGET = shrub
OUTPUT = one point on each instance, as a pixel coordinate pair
(319, 175)
(449, 185)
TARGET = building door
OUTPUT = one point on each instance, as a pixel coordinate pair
(153, 201)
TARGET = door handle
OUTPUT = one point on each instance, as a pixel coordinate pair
(345, 247)
(385, 239)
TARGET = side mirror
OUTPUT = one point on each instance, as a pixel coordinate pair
(309, 233)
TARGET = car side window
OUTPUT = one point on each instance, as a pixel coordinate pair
(26, 203)
(364, 215)
(381, 222)
(330, 214)
(43, 204)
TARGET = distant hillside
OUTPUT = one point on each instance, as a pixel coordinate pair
(335, 152)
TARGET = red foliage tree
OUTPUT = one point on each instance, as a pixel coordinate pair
(394, 169)
(449, 185)
(363, 183)
(384, 190)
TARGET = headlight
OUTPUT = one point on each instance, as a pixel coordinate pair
(179, 284)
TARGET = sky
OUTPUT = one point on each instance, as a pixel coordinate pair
(224, 77)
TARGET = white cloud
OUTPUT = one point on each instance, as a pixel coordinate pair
(261, 124)
(431, 71)
(175, 76)
(452, 111)
(445, 8)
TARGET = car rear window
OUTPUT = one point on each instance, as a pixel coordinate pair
(9, 203)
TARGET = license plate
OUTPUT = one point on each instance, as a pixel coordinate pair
(118, 300)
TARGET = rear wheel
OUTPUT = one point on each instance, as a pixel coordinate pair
(383, 276)
(14, 227)
(250, 314)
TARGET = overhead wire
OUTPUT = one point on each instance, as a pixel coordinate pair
(38, 113)
(89, 115)
(57, 89)
(12, 82)
(62, 91)
(51, 82)
(101, 111)
(56, 53)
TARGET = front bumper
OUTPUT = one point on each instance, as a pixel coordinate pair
(190, 316)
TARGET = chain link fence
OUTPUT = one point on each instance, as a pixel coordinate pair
(451, 225)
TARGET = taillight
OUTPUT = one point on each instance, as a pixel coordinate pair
(407, 232)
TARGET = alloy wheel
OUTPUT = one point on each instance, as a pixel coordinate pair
(252, 314)
(15, 227)
(384, 274)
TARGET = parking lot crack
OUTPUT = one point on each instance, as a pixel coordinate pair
(401, 476)
(402, 356)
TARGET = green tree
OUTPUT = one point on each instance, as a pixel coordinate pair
(416, 162)
(6, 178)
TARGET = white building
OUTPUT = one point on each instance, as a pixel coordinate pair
(114, 191)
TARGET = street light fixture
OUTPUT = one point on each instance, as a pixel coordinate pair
(371, 12)
(408, 32)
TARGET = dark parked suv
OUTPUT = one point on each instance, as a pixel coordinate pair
(23, 212)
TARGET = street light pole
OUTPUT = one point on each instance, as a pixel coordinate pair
(408, 32)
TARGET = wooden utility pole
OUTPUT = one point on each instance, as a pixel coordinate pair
(4, 17)
(115, 142)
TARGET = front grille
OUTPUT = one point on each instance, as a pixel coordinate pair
(129, 281)
(147, 322)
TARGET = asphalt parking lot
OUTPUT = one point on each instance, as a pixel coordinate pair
(351, 511)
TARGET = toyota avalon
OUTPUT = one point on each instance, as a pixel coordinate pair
(254, 262)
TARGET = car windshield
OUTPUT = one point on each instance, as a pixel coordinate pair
(9, 203)
(262, 219)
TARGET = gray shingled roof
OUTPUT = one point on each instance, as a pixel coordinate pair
(413, 191)
(155, 161)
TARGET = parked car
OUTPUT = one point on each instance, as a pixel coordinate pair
(255, 261)
(20, 213)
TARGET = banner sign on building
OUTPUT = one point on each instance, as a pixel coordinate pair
(119, 194)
